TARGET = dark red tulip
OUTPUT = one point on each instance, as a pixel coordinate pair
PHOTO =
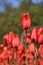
(23, 56)
(25, 21)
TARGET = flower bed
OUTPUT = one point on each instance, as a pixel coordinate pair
(30, 52)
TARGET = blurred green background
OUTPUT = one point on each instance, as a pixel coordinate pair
(10, 16)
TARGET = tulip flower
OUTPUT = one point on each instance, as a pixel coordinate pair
(39, 61)
(1, 47)
(4, 53)
(40, 39)
(30, 56)
(15, 41)
(39, 31)
(8, 38)
(40, 50)
(27, 38)
(32, 47)
(21, 49)
(5, 39)
(9, 53)
(25, 21)
(30, 62)
(34, 34)
(23, 56)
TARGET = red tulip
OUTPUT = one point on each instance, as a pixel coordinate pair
(23, 56)
(32, 47)
(8, 38)
(39, 31)
(1, 47)
(27, 41)
(4, 54)
(41, 50)
(27, 38)
(9, 53)
(30, 56)
(34, 34)
(21, 49)
(30, 62)
(39, 61)
(11, 37)
(40, 39)
(15, 41)
(25, 21)
(23, 62)
(39, 35)
(5, 39)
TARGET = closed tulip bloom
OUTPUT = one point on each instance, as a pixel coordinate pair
(8, 38)
(5, 39)
(27, 38)
(40, 50)
(23, 56)
(39, 31)
(34, 34)
(40, 39)
(23, 62)
(32, 47)
(25, 21)
(30, 62)
(27, 41)
(15, 41)
(30, 56)
(4, 53)
(39, 61)
(1, 47)
(21, 49)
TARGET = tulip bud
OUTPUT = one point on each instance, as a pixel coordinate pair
(25, 21)
(15, 41)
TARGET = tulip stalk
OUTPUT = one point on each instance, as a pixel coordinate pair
(16, 56)
(13, 55)
(26, 51)
(13, 60)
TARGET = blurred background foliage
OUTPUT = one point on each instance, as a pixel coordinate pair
(10, 17)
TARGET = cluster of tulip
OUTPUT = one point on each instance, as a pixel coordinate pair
(14, 52)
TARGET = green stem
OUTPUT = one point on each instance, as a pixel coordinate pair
(13, 56)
